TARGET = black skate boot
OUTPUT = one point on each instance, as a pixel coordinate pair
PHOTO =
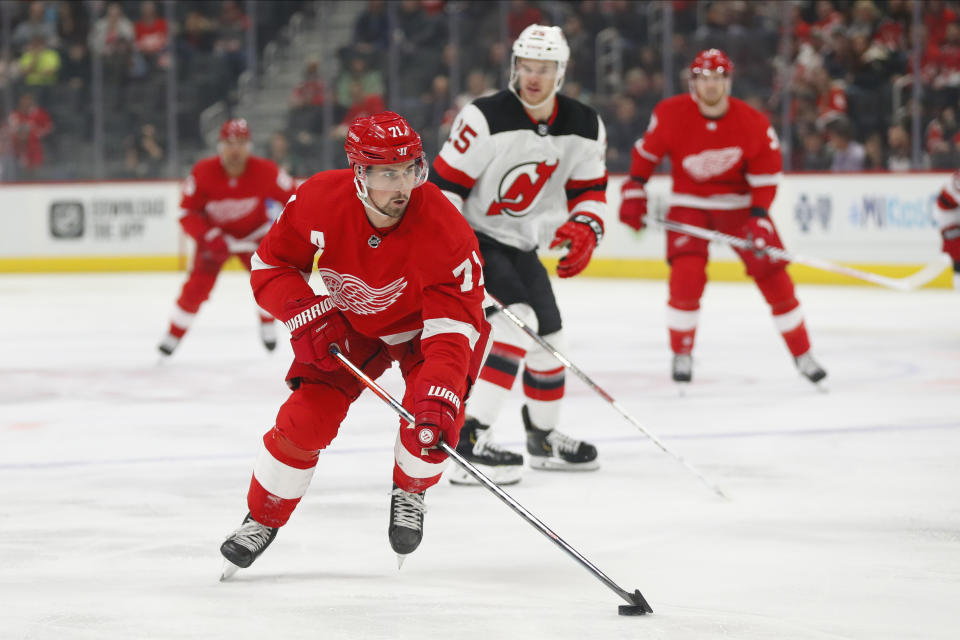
(809, 368)
(476, 446)
(406, 522)
(268, 335)
(168, 345)
(682, 367)
(551, 450)
(245, 545)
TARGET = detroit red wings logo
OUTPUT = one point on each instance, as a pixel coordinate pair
(712, 162)
(350, 293)
(520, 188)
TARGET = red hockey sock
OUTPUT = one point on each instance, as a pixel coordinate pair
(280, 479)
(688, 278)
(778, 290)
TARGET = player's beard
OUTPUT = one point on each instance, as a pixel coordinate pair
(394, 207)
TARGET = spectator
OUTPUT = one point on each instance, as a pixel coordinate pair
(152, 35)
(815, 155)
(873, 153)
(72, 25)
(371, 32)
(520, 16)
(75, 69)
(899, 156)
(281, 155)
(26, 127)
(113, 33)
(848, 154)
(198, 35)
(358, 72)
(362, 105)
(39, 64)
(231, 32)
(35, 25)
(941, 137)
(622, 130)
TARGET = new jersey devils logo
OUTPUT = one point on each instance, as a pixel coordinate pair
(520, 188)
(353, 294)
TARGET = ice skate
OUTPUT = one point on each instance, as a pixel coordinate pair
(245, 545)
(682, 367)
(406, 522)
(477, 447)
(168, 345)
(268, 335)
(551, 450)
(810, 368)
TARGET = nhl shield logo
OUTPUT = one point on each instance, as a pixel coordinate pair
(542, 128)
(374, 241)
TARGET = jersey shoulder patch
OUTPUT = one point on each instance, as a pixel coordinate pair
(503, 112)
(575, 119)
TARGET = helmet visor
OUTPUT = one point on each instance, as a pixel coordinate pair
(402, 176)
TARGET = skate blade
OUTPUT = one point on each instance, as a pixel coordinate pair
(506, 475)
(556, 464)
(400, 558)
(228, 570)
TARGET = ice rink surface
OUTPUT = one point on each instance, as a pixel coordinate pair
(119, 478)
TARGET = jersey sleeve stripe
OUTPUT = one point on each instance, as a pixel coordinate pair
(585, 184)
(644, 153)
(451, 174)
(763, 179)
(945, 201)
(593, 194)
(437, 326)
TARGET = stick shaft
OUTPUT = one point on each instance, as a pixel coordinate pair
(603, 394)
(484, 480)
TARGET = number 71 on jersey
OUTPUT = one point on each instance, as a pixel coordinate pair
(466, 268)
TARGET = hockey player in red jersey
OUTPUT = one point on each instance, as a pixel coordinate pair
(726, 165)
(405, 283)
(948, 218)
(223, 209)
(523, 165)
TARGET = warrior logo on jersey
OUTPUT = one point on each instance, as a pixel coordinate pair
(712, 162)
(520, 188)
(354, 295)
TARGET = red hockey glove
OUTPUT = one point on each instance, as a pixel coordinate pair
(581, 232)
(759, 231)
(214, 246)
(951, 242)
(316, 323)
(633, 204)
(435, 410)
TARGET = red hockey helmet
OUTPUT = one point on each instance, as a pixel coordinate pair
(383, 138)
(711, 61)
(237, 129)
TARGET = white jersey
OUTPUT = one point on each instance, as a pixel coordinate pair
(515, 179)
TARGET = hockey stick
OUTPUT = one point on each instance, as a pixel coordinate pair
(637, 604)
(603, 394)
(908, 283)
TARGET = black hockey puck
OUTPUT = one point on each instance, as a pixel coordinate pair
(632, 610)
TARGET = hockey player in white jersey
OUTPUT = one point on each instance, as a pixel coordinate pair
(520, 164)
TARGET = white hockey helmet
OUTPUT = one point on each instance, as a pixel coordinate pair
(538, 42)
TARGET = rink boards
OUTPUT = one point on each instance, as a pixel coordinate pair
(877, 222)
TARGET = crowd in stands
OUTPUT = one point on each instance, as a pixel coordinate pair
(848, 64)
(47, 85)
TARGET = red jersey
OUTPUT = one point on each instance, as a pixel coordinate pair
(236, 206)
(26, 131)
(422, 277)
(719, 164)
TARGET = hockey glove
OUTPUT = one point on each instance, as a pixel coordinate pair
(316, 323)
(759, 231)
(951, 242)
(581, 233)
(435, 410)
(633, 204)
(214, 246)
